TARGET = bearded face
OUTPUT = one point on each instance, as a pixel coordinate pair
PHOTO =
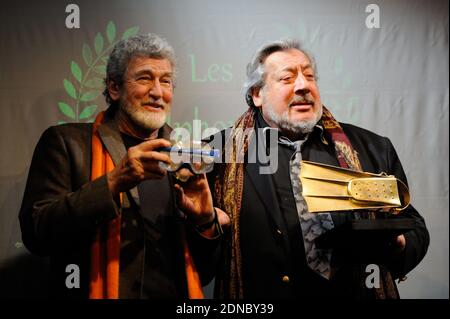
(290, 98)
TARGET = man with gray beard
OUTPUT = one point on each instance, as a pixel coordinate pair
(114, 223)
(271, 249)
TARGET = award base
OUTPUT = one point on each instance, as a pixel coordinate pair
(366, 240)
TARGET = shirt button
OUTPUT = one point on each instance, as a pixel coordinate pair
(286, 279)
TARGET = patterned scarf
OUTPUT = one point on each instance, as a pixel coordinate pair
(105, 250)
(228, 191)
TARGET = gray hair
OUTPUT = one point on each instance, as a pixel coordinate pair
(146, 45)
(256, 70)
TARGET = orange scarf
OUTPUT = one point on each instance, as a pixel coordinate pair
(105, 250)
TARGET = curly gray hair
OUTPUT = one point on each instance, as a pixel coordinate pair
(255, 69)
(145, 45)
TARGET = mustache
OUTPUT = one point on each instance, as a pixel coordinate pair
(302, 100)
(153, 103)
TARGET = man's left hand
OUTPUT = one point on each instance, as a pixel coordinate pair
(195, 199)
(401, 242)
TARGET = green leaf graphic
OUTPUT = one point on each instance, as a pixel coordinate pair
(89, 96)
(98, 43)
(111, 31)
(66, 110)
(94, 83)
(87, 54)
(130, 32)
(100, 69)
(76, 71)
(89, 83)
(70, 89)
(88, 111)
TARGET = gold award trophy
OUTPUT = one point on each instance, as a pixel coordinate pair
(329, 188)
(333, 189)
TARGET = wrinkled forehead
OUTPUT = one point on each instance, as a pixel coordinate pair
(291, 58)
(140, 64)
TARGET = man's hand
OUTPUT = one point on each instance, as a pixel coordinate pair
(139, 164)
(194, 198)
(401, 242)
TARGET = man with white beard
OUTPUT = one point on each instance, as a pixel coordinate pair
(271, 251)
(97, 200)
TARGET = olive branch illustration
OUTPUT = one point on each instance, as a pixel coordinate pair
(88, 85)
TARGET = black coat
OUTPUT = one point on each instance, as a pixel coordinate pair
(62, 210)
(273, 260)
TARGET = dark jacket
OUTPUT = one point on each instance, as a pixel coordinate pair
(273, 260)
(62, 211)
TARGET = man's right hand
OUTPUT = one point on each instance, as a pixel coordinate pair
(139, 164)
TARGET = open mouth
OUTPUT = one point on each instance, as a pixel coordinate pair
(301, 106)
(153, 105)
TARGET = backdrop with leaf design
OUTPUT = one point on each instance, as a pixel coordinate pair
(89, 80)
(392, 80)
